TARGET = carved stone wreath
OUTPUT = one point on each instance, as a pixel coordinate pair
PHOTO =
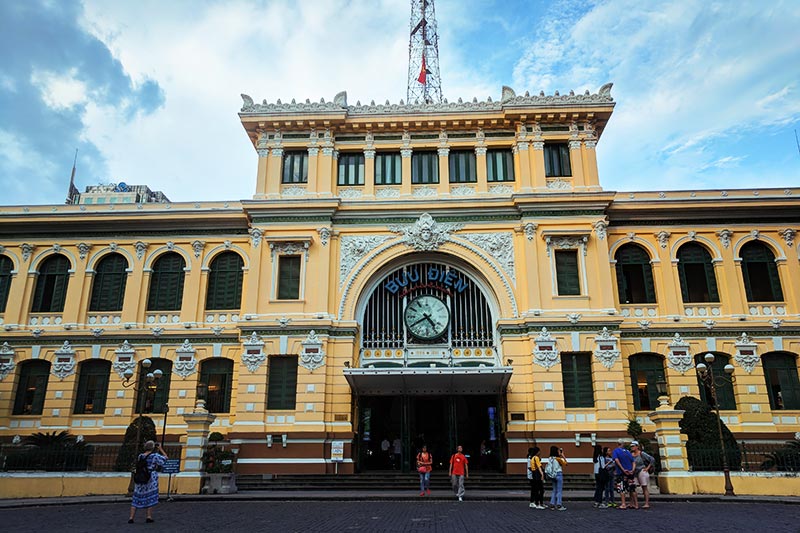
(746, 353)
(679, 357)
(312, 356)
(426, 234)
(607, 351)
(499, 246)
(6, 360)
(64, 364)
(253, 355)
(545, 352)
(186, 364)
(125, 359)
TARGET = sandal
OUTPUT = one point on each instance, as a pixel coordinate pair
(645, 507)
(622, 507)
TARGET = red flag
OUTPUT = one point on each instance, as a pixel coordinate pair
(423, 73)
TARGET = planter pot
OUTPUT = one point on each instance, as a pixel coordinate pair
(219, 484)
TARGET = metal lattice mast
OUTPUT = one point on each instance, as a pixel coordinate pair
(424, 81)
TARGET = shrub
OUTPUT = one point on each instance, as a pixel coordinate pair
(130, 449)
(703, 447)
(784, 459)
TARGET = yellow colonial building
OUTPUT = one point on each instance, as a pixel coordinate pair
(404, 274)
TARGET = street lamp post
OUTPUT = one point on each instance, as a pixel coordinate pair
(706, 373)
(143, 387)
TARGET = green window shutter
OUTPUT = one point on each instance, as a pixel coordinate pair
(351, 169)
(696, 273)
(567, 275)
(634, 275)
(225, 282)
(388, 169)
(646, 371)
(783, 385)
(424, 168)
(576, 373)
(288, 277)
(556, 160)
(51, 285)
(6, 266)
(499, 165)
(166, 283)
(31, 387)
(462, 166)
(760, 273)
(282, 386)
(93, 376)
(725, 394)
(295, 167)
(108, 287)
(217, 374)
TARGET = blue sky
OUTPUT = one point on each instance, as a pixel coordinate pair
(708, 93)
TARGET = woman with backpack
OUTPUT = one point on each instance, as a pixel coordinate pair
(145, 489)
(536, 478)
(555, 472)
(599, 475)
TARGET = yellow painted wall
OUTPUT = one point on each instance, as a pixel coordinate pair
(744, 483)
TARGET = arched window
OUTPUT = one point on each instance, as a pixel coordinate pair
(155, 397)
(108, 288)
(698, 282)
(51, 285)
(647, 369)
(166, 283)
(217, 373)
(761, 280)
(31, 387)
(725, 396)
(6, 266)
(225, 282)
(92, 387)
(783, 386)
(634, 275)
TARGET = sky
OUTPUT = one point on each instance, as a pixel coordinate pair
(147, 91)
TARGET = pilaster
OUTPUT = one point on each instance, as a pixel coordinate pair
(480, 167)
(444, 170)
(405, 160)
(369, 172)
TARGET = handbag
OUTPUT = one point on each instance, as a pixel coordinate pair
(422, 470)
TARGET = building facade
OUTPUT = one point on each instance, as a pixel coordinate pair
(405, 274)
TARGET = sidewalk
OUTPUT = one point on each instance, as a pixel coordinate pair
(386, 495)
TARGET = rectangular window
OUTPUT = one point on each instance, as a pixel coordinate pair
(92, 391)
(351, 169)
(556, 160)
(462, 166)
(388, 169)
(288, 277)
(424, 168)
(567, 275)
(499, 165)
(31, 388)
(576, 371)
(282, 386)
(295, 167)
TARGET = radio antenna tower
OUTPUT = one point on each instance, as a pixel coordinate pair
(424, 81)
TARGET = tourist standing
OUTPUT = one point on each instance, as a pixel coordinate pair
(625, 481)
(555, 469)
(610, 469)
(459, 471)
(145, 494)
(643, 464)
(536, 477)
(599, 475)
(424, 467)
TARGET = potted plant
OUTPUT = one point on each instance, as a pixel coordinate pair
(218, 467)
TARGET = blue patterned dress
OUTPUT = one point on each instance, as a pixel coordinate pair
(146, 495)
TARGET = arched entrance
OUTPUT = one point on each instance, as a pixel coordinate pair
(429, 367)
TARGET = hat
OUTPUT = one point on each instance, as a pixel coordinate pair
(635, 443)
(621, 442)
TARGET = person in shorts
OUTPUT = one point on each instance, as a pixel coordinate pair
(643, 464)
(624, 475)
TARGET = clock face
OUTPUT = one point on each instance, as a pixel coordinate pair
(427, 317)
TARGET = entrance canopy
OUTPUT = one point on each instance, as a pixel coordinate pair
(428, 381)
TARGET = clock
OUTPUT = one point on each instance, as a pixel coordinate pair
(426, 317)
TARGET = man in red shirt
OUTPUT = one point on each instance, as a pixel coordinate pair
(458, 472)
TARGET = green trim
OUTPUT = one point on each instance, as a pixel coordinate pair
(556, 211)
(284, 218)
(411, 220)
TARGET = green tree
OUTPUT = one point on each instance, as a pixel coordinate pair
(703, 446)
(130, 449)
(784, 459)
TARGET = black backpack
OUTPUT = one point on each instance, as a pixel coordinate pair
(142, 474)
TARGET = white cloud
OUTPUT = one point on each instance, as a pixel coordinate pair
(59, 90)
(689, 79)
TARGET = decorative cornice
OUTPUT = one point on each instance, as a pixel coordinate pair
(509, 100)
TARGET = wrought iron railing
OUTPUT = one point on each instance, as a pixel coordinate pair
(79, 458)
(747, 457)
